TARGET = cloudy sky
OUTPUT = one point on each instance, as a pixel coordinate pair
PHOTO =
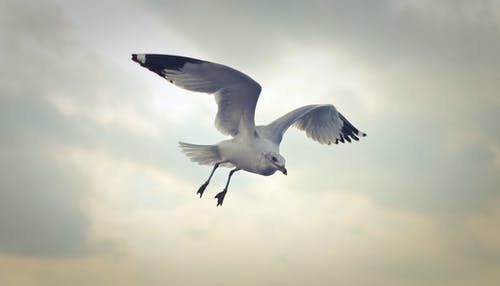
(94, 190)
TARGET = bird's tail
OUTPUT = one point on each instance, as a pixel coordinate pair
(201, 154)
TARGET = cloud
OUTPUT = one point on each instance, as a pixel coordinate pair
(40, 200)
(450, 13)
(290, 238)
(56, 93)
(94, 191)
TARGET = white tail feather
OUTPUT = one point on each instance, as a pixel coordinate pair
(201, 154)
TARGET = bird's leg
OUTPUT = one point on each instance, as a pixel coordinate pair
(220, 196)
(204, 186)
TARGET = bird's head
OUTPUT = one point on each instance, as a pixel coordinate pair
(276, 161)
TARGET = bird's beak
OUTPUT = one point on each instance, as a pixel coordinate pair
(283, 170)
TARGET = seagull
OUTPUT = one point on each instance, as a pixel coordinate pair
(252, 148)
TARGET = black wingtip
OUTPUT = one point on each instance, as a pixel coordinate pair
(139, 58)
(159, 63)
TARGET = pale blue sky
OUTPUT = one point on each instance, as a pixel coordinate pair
(94, 190)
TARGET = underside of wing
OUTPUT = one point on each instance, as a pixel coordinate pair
(322, 123)
(236, 94)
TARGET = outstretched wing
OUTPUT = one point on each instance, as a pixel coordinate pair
(236, 94)
(321, 122)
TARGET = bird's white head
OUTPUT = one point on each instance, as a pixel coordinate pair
(275, 161)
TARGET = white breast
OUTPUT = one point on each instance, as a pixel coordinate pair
(247, 155)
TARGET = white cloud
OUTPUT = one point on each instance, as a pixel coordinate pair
(124, 116)
(308, 74)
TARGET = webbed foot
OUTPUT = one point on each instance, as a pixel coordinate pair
(220, 197)
(202, 189)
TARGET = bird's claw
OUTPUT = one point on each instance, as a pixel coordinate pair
(202, 189)
(220, 197)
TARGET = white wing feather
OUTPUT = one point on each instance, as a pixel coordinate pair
(321, 122)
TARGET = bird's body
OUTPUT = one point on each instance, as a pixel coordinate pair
(247, 155)
(253, 148)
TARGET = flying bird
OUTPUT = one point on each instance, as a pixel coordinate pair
(252, 148)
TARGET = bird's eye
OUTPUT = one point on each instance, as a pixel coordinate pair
(274, 159)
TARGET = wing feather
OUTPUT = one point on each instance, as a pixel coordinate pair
(321, 122)
(236, 94)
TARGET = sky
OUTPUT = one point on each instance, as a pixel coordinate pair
(95, 191)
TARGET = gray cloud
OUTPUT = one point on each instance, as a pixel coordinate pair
(376, 31)
(40, 200)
